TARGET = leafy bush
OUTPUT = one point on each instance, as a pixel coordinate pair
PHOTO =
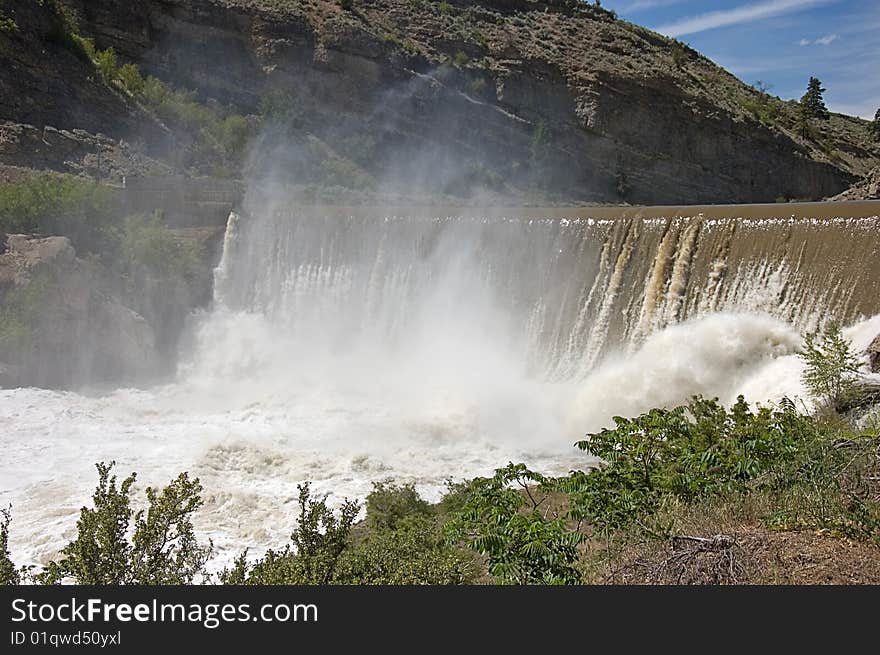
(216, 133)
(130, 77)
(831, 366)
(107, 64)
(317, 544)
(9, 575)
(7, 24)
(51, 203)
(688, 452)
(144, 242)
(389, 504)
(163, 548)
(522, 545)
(413, 552)
(19, 313)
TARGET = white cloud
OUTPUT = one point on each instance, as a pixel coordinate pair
(735, 16)
(826, 40)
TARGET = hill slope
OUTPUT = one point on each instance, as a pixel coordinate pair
(557, 98)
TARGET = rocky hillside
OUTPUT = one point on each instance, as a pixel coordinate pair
(518, 97)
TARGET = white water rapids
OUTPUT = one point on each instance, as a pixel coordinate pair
(346, 354)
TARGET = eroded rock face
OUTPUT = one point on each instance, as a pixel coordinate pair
(866, 189)
(396, 88)
(58, 325)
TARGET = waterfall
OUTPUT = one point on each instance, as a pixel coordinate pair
(560, 295)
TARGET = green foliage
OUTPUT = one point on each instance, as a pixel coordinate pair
(145, 241)
(389, 504)
(19, 313)
(875, 126)
(51, 203)
(163, 549)
(688, 452)
(461, 59)
(130, 77)
(413, 552)
(317, 543)
(831, 366)
(348, 5)
(522, 545)
(9, 575)
(812, 105)
(445, 8)
(7, 24)
(107, 64)
(226, 135)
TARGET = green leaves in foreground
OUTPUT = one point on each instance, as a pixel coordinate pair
(522, 544)
(163, 549)
(697, 450)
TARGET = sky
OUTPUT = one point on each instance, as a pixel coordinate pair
(780, 43)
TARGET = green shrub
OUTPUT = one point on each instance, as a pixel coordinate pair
(163, 549)
(317, 544)
(414, 552)
(19, 313)
(9, 575)
(51, 203)
(388, 504)
(7, 24)
(130, 76)
(688, 452)
(521, 545)
(146, 248)
(831, 366)
(107, 64)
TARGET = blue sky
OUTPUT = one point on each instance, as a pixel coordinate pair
(779, 42)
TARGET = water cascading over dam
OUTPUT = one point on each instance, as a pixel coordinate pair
(351, 345)
(565, 288)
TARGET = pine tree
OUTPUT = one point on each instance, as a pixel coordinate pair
(812, 104)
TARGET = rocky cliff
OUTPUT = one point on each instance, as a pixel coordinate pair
(556, 95)
(59, 323)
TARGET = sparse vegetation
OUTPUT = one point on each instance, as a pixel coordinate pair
(875, 126)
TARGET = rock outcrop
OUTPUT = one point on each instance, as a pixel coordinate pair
(58, 325)
(866, 189)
